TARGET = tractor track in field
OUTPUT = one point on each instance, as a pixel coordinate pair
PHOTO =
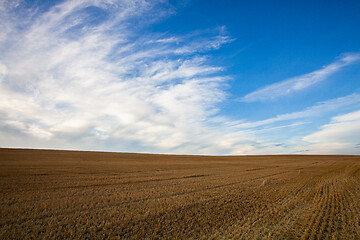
(282, 206)
(141, 200)
(333, 208)
(332, 205)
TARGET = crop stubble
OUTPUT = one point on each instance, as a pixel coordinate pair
(72, 194)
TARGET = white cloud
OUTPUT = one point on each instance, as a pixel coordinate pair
(3, 71)
(340, 136)
(298, 83)
(67, 82)
(318, 109)
(272, 138)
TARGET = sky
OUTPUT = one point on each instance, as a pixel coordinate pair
(181, 77)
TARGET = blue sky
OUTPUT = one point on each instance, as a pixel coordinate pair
(184, 77)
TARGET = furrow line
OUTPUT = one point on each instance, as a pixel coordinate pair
(140, 200)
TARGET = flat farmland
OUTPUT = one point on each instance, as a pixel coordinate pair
(72, 194)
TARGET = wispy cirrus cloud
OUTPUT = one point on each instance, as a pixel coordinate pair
(299, 83)
(340, 136)
(319, 109)
(71, 81)
(272, 138)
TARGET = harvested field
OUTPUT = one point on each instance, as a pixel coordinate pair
(68, 194)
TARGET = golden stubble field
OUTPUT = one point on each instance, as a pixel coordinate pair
(71, 194)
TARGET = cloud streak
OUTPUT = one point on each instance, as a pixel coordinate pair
(340, 136)
(302, 82)
(317, 110)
